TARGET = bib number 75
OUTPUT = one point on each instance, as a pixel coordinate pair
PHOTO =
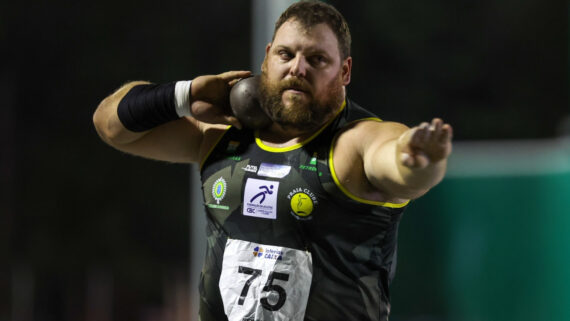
(269, 286)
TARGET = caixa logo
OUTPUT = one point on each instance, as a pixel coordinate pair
(268, 253)
(258, 251)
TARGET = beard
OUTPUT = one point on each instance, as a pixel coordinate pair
(302, 112)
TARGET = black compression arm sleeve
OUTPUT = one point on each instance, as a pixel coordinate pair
(147, 106)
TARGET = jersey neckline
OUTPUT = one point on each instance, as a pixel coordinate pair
(267, 148)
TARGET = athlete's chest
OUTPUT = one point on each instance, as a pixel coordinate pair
(263, 195)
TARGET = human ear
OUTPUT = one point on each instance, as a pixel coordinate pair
(346, 70)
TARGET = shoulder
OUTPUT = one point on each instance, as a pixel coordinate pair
(363, 133)
(356, 114)
(360, 128)
(211, 135)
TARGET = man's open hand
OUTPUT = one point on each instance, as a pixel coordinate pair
(425, 144)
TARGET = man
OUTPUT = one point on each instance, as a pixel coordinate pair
(302, 214)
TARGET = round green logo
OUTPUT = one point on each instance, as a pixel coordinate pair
(219, 189)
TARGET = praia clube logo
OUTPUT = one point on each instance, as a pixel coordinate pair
(303, 202)
(268, 253)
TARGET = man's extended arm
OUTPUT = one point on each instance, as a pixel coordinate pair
(405, 163)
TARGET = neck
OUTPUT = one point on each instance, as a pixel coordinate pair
(277, 135)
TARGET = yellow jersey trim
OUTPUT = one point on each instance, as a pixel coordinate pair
(346, 191)
(298, 145)
(214, 146)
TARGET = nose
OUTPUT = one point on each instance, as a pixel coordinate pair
(298, 66)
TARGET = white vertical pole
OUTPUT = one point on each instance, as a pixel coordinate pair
(197, 239)
(264, 14)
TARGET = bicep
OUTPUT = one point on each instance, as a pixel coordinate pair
(178, 141)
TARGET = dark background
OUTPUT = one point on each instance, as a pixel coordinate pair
(75, 211)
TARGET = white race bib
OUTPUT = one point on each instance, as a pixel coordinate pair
(263, 282)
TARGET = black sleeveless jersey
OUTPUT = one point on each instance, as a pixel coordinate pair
(352, 241)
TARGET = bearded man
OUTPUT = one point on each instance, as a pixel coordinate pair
(303, 213)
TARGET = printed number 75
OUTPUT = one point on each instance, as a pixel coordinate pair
(269, 286)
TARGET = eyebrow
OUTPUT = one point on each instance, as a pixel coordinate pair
(277, 47)
(311, 51)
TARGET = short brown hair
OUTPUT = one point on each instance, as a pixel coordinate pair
(313, 12)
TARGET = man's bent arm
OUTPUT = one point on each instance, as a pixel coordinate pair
(175, 141)
(179, 140)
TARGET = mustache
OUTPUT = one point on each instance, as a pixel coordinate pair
(294, 83)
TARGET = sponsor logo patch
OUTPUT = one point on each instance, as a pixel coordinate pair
(260, 198)
(219, 189)
(257, 251)
(268, 253)
(312, 166)
(250, 168)
(302, 202)
(274, 170)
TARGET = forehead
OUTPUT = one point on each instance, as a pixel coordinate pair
(296, 36)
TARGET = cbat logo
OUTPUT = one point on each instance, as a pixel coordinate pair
(264, 191)
(302, 204)
(260, 198)
(219, 189)
(258, 251)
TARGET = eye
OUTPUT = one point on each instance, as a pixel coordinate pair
(284, 54)
(318, 60)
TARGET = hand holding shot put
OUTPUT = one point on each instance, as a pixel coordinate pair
(209, 97)
(303, 188)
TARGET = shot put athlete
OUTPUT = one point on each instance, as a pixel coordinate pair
(303, 208)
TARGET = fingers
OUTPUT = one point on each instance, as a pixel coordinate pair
(436, 131)
(442, 132)
(234, 75)
(234, 81)
(436, 124)
(428, 142)
(231, 120)
(446, 133)
(212, 114)
(421, 134)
